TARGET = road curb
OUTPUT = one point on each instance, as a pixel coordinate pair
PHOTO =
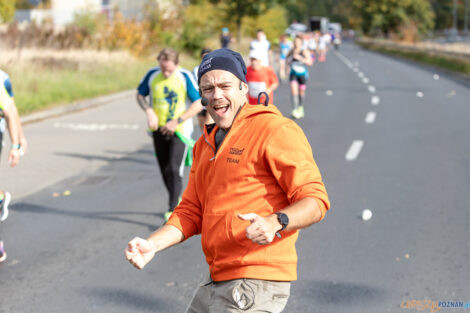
(74, 107)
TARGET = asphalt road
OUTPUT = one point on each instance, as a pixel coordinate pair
(388, 136)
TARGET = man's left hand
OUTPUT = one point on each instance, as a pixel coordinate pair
(170, 127)
(262, 229)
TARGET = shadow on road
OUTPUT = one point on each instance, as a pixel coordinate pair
(102, 215)
(136, 302)
(90, 157)
(340, 293)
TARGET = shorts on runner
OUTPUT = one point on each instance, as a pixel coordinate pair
(302, 79)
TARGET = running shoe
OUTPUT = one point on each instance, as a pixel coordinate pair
(298, 112)
(295, 113)
(4, 206)
(3, 253)
(167, 215)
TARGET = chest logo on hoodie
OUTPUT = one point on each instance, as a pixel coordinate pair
(234, 151)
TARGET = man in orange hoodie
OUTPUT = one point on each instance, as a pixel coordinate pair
(253, 185)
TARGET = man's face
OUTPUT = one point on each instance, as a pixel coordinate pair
(222, 89)
(260, 36)
(167, 67)
(255, 63)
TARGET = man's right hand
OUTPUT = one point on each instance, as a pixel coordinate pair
(14, 157)
(139, 252)
(152, 119)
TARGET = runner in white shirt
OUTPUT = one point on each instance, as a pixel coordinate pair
(263, 47)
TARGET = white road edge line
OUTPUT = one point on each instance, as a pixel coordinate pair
(354, 150)
(370, 117)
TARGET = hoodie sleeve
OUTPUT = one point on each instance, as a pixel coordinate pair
(187, 216)
(290, 159)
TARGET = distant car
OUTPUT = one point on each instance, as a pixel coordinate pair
(296, 28)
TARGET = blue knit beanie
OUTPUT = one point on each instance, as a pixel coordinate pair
(223, 59)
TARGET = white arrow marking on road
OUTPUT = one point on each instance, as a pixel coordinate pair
(375, 100)
(371, 89)
(354, 150)
(370, 117)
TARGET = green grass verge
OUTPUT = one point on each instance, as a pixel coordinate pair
(37, 87)
(40, 88)
(450, 63)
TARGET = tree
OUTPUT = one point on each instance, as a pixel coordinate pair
(392, 16)
(237, 9)
(443, 12)
(7, 10)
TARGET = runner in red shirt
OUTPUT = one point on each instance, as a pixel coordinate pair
(260, 78)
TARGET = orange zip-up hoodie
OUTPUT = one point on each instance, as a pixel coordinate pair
(264, 164)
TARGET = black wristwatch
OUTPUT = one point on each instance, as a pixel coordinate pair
(180, 120)
(283, 220)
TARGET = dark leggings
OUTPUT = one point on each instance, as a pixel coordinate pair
(171, 154)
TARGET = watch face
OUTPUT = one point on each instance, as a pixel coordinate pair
(283, 219)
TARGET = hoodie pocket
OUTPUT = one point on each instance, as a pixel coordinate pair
(224, 237)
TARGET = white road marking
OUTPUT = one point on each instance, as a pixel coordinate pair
(360, 74)
(354, 150)
(372, 89)
(435, 76)
(370, 117)
(365, 80)
(375, 100)
(451, 94)
(96, 126)
(419, 94)
(355, 70)
(329, 92)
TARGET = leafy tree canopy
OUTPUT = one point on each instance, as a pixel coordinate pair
(388, 16)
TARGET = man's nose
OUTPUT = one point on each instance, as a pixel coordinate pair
(218, 93)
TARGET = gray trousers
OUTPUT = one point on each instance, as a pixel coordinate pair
(240, 295)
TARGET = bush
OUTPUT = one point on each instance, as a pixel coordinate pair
(7, 10)
(273, 22)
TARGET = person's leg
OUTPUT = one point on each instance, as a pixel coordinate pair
(282, 69)
(201, 298)
(161, 144)
(294, 91)
(4, 201)
(5, 198)
(302, 88)
(174, 169)
(3, 254)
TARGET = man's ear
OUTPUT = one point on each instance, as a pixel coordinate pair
(243, 87)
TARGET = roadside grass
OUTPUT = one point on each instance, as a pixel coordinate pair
(41, 80)
(452, 63)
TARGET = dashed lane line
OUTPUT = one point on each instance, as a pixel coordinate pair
(354, 150)
(370, 117)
